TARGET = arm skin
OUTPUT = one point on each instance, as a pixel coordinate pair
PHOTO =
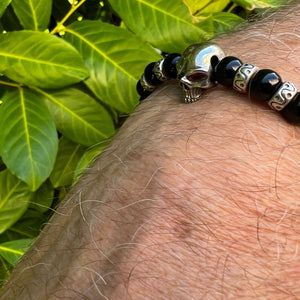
(198, 201)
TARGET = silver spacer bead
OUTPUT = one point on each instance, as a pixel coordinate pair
(146, 86)
(283, 96)
(158, 70)
(243, 76)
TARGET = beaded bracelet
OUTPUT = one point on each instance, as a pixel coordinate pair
(202, 66)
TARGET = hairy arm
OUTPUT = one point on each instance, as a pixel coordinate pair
(195, 201)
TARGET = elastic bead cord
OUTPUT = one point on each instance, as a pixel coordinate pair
(156, 73)
(263, 85)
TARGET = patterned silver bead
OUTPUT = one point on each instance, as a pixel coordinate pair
(243, 76)
(146, 86)
(158, 70)
(283, 96)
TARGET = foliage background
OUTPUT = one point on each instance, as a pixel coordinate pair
(68, 75)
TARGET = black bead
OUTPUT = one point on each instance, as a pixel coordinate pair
(226, 69)
(264, 84)
(214, 61)
(292, 111)
(141, 91)
(169, 65)
(150, 76)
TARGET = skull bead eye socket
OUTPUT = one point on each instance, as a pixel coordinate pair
(196, 77)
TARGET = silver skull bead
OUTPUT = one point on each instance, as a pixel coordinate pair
(194, 69)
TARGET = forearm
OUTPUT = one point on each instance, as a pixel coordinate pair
(188, 201)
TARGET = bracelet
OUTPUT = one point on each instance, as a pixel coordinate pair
(202, 66)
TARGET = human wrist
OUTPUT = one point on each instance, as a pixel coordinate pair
(199, 65)
(213, 173)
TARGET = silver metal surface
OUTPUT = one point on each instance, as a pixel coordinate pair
(243, 76)
(283, 96)
(146, 86)
(194, 69)
(158, 70)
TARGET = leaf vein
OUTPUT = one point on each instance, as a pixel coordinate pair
(99, 51)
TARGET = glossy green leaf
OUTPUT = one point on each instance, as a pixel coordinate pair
(252, 4)
(3, 5)
(115, 58)
(219, 22)
(78, 116)
(40, 59)
(5, 269)
(43, 197)
(28, 226)
(206, 6)
(33, 14)
(63, 191)
(88, 158)
(168, 25)
(12, 251)
(67, 159)
(14, 199)
(28, 140)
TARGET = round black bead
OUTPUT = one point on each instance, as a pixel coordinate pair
(150, 76)
(226, 69)
(169, 65)
(264, 84)
(292, 111)
(141, 91)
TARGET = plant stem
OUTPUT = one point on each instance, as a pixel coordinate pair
(233, 6)
(66, 17)
(10, 84)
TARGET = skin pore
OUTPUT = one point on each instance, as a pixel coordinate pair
(196, 201)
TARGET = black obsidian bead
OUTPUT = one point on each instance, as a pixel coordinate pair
(226, 69)
(169, 65)
(150, 76)
(264, 84)
(141, 91)
(292, 111)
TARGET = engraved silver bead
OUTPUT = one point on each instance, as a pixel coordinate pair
(158, 70)
(146, 86)
(243, 77)
(283, 96)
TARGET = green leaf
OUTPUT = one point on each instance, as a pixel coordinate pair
(206, 6)
(12, 251)
(2, 165)
(33, 14)
(43, 197)
(3, 5)
(28, 226)
(115, 58)
(40, 59)
(78, 116)
(5, 269)
(14, 199)
(28, 140)
(168, 25)
(67, 159)
(219, 22)
(88, 158)
(252, 4)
